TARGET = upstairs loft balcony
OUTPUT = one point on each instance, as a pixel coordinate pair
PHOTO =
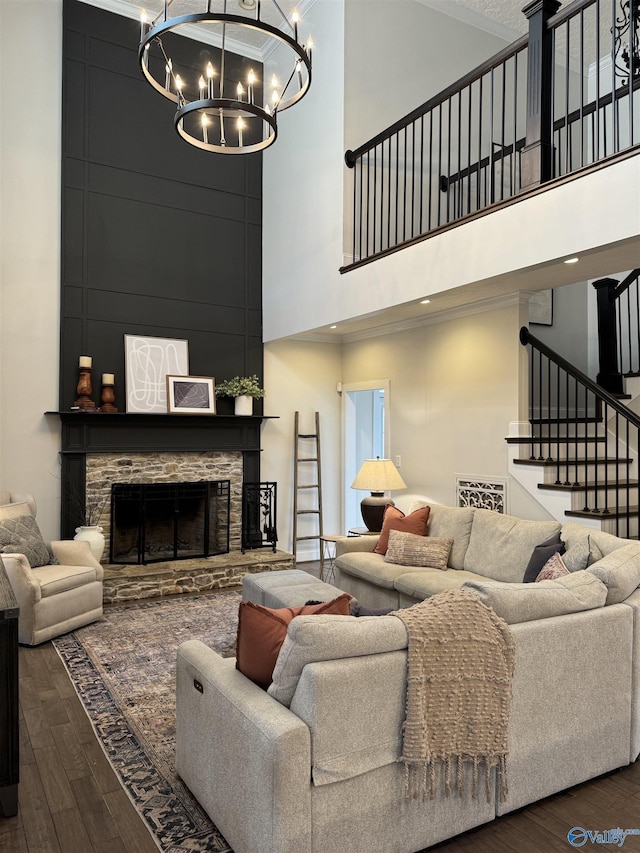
(562, 101)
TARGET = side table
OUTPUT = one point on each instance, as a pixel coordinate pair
(327, 552)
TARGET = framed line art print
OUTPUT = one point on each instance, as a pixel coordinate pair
(191, 395)
(148, 362)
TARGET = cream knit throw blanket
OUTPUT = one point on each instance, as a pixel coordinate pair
(460, 663)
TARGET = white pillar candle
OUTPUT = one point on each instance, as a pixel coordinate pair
(85, 361)
(108, 378)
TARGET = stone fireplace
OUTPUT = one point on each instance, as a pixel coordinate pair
(99, 449)
(103, 470)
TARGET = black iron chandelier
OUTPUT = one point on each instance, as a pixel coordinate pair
(626, 35)
(222, 105)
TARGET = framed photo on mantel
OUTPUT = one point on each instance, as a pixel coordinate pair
(191, 395)
(148, 362)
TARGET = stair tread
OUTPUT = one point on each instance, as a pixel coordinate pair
(613, 512)
(551, 463)
(581, 487)
(552, 439)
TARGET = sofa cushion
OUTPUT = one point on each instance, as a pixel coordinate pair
(395, 519)
(21, 535)
(500, 546)
(407, 549)
(422, 583)
(261, 632)
(331, 638)
(619, 571)
(553, 569)
(370, 567)
(56, 579)
(541, 553)
(524, 602)
(452, 522)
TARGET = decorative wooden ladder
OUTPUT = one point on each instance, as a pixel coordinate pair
(306, 452)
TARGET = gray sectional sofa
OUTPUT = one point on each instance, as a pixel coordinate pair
(311, 766)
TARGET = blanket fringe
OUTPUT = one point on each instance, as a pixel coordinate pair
(421, 778)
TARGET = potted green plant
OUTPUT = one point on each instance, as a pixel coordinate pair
(244, 389)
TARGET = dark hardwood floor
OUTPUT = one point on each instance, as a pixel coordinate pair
(71, 801)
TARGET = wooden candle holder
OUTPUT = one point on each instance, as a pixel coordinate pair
(84, 390)
(107, 398)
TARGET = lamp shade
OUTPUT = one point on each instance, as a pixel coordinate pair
(377, 476)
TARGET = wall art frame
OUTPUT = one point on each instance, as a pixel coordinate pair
(148, 362)
(191, 395)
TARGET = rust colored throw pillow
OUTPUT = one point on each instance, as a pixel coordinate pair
(394, 519)
(261, 632)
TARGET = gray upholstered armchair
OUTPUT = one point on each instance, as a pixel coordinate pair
(58, 585)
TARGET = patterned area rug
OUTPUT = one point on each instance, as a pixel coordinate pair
(123, 669)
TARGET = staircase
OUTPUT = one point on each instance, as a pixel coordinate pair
(580, 455)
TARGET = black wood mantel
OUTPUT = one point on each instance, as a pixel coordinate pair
(97, 432)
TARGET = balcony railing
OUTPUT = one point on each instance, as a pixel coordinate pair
(558, 100)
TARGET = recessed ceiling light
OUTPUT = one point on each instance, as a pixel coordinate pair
(247, 4)
(572, 260)
(333, 327)
(425, 301)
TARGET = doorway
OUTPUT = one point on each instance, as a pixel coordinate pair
(365, 436)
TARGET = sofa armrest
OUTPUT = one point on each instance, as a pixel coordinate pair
(245, 757)
(76, 552)
(351, 544)
(25, 585)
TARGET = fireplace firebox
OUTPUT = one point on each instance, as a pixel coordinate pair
(152, 522)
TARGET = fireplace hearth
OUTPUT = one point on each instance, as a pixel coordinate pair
(154, 522)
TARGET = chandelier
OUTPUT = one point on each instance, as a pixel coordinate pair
(222, 104)
(626, 35)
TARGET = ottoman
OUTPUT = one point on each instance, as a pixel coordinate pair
(288, 588)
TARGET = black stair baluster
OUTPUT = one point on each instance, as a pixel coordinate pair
(558, 425)
(576, 450)
(549, 396)
(567, 482)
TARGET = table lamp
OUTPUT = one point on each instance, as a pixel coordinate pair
(377, 476)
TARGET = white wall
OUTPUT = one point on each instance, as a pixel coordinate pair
(30, 98)
(302, 376)
(454, 388)
(398, 55)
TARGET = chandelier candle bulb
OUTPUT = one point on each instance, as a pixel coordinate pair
(295, 18)
(240, 126)
(143, 24)
(167, 75)
(201, 87)
(210, 73)
(205, 131)
(251, 79)
(240, 91)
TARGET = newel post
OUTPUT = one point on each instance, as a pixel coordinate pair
(536, 163)
(609, 376)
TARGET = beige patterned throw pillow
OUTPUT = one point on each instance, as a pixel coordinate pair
(409, 549)
(553, 569)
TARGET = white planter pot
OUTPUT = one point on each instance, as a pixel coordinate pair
(244, 405)
(95, 537)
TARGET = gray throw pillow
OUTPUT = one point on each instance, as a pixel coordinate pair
(22, 535)
(584, 553)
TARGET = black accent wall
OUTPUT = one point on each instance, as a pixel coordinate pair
(158, 238)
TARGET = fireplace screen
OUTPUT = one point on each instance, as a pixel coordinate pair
(151, 522)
